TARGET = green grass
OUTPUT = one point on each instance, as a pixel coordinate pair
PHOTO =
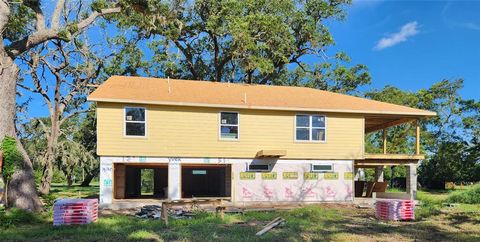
(433, 201)
(75, 191)
(470, 195)
(322, 222)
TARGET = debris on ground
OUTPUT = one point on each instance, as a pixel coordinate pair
(150, 211)
(180, 213)
(450, 205)
(155, 212)
(363, 206)
(274, 223)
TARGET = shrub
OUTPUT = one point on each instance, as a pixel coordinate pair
(469, 196)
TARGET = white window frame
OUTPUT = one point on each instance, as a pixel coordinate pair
(322, 164)
(310, 128)
(231, 125)
(259, 170)
(125, 123)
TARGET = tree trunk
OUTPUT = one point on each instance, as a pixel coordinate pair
(90, 175)
(69, 180)
(50, 156)
(21, 188)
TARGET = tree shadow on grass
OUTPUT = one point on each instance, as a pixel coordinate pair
(308, 223)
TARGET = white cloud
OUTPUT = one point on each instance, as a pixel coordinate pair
(408, 30)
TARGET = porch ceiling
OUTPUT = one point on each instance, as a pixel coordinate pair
(372, 160)
(374, 123)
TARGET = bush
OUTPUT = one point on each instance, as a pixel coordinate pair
(469, 196)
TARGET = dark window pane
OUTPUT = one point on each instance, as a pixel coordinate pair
(303, 121)
(318, 121)
(322, 167)
(229, 118)
(318, 134)
(134, 114)
(229, 132)
(135, 129)
(199, 172)
(303, 134)
(258, 167)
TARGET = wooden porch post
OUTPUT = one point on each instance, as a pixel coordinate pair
(417, 124)
(385, 141)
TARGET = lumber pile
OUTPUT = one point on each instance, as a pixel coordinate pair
(395, 209)
(75, 211)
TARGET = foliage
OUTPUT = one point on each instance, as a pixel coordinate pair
(250, 41)
(451, 163)
(72, 155)
(11, 157)
(15, 217)
(449, 139)
(147, 181)
(468, 196)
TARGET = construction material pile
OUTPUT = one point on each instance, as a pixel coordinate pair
(155, 212)
(75, 211)
(395, 209)
(149, 211)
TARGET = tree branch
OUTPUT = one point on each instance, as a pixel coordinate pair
(41, 35)
(72, 114)
(56, 14)
(40, 17)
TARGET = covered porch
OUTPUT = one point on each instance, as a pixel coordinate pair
(377, 188)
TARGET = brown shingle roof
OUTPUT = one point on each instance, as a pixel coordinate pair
(144, 90)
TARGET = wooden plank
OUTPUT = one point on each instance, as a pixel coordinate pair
(385, 141)
(417, 123)
(119, 174)
(270, 226)
(164, 214)
(393, 157)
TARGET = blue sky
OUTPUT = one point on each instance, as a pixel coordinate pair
(413, 44)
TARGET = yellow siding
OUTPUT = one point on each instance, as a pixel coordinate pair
(174, 131)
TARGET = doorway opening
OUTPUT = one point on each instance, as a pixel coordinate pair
(206, 181)
(141, 181)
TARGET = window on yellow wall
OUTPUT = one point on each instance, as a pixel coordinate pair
(229, 126)
(135, 124)
(310, 128)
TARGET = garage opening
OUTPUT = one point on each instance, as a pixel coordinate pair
(206, 181)
(141, 181)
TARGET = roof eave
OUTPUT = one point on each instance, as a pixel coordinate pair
(114, 100)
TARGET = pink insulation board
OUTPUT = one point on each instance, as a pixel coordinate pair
(395, 209)
(75, 211)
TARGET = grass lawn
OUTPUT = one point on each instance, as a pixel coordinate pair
(311, 223)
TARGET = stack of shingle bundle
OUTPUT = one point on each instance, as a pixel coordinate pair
(75, 211)
(395, 209)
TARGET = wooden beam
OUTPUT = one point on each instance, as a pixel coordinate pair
(417, 124)
(386, 125)
(393, 157)
(385, 141)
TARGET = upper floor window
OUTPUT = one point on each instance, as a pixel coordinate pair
(135, 124)
(310, 128)
(229, 125)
